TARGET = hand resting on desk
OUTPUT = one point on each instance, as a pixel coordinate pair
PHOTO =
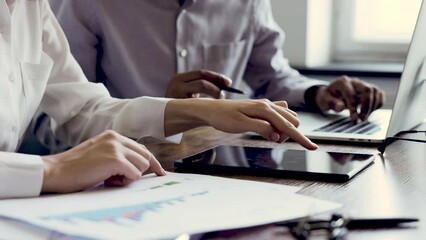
(108, 157)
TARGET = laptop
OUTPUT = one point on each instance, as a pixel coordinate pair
(409, 109)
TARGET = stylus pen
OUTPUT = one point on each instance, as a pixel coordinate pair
(378, 222)
(231, 89)
(359, 223)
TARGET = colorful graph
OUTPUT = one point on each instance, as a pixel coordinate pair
(120, 215)
(171, 183)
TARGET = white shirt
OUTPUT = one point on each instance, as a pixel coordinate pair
(139, 44)
(37, 69)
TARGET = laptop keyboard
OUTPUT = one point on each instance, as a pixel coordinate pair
(345, 125)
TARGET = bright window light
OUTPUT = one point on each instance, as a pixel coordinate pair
(390, 21)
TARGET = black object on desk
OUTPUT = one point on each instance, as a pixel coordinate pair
(338, 225)
(277, 162)
(390, 140)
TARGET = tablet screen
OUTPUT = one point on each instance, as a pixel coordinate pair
(278, 162)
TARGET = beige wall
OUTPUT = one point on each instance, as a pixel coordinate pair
(307, 24)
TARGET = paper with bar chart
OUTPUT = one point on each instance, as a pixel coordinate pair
(165, 207)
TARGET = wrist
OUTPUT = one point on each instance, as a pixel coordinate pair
(185, 114)
(48, 173)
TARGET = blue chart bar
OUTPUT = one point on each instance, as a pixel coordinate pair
(117, 215)
(122, 215)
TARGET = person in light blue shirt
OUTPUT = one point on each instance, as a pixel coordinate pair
(151, 48)
(164, 49)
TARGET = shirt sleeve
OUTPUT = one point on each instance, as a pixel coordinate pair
(21, 175)
(78, 20)
(268, 73)
(80, 109)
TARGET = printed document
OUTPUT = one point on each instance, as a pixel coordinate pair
(164, 207)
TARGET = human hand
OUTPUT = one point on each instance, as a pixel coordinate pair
(272, 120)
(350, 93)
(191, 84)
(108, 157)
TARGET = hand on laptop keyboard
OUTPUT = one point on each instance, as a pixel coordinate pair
(350, 93)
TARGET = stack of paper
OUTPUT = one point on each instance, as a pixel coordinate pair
(165, 207)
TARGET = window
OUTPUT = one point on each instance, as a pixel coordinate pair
(378, 30)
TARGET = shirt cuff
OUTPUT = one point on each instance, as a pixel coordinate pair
(297, 94)
(21, 175)
(144, 117)
(310, 99)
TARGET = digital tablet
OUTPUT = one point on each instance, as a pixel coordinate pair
(277, 162)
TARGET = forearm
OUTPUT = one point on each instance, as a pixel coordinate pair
(184, 114)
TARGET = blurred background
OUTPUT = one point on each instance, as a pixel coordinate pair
(361, 38)
(320, 32)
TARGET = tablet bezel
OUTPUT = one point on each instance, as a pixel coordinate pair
(198, 163)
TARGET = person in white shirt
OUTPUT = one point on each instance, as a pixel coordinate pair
(38, 70)
(151, 48)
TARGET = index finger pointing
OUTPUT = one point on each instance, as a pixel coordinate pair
(143, 151)
(297, 136)
(349, 96)
(155, 165)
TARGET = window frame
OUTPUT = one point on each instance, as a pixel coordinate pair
(346, 49)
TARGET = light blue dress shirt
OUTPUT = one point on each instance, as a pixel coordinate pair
(135, 46)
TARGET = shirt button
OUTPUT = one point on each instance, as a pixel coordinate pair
(14, 128)
(183, 53)
(3, 28)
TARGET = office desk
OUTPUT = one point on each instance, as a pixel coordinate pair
(393, 186)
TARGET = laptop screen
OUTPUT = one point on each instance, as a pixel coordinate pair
(409, 108)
